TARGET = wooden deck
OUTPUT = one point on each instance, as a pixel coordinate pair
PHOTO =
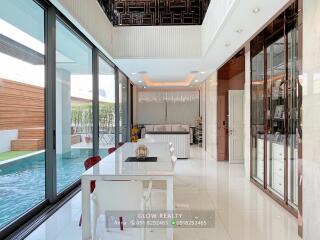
(29, 139)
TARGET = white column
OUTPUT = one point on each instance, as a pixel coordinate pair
(63, 112)
(203, 112)
(211, 114)
(247, 112)
(311, 123)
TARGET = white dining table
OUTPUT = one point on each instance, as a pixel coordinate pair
(115, 167)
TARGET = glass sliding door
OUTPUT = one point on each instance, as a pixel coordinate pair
(106, 107)
(74, 120)
(123, 107)
(22, 112)
(257, 116)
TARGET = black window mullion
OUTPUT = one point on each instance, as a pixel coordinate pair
(128, 111)
(50, 103)
(117, 116)
(95, 107)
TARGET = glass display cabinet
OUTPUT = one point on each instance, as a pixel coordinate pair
(257, 117)
(275, 98)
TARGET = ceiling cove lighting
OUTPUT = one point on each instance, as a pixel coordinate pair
(256, 10)
(150, 83)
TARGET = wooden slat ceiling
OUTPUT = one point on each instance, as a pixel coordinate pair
(155, 12)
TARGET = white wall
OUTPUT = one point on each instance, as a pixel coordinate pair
(177, 113)
(88, 16)
(216, 14)
(211, 114)
(6, 136)
(157, 42)
(247, 112)
(311, 116)
(151, 113)
(154, 108)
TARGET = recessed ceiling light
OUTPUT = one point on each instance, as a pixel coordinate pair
(140, 81)
(256, 10)
(133, 73)
(239, 30)
(203, 72)
(227, 45)
(196, 80)
(144, 87)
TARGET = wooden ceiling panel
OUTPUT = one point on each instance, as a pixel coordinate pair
(155, 12)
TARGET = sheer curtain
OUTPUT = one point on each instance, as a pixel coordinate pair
(168, 107)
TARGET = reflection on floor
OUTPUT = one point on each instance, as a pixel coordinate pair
(242, 211)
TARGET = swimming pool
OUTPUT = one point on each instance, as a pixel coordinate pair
(22, 182)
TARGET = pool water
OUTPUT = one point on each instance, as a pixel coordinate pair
(22, 182)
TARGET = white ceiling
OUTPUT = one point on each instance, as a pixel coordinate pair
(223, 45)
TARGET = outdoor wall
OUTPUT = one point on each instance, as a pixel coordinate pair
(6, 136)
(311, 116)
(21, 105)
(63, 112)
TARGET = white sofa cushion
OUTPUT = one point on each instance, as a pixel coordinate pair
(168, 127)
(180, 128)
(159, 128)
(185, 128)
(149, 128)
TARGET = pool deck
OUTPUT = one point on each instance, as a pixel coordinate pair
(20, 157)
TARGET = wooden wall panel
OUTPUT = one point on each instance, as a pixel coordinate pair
(21, 105)
(231, 76)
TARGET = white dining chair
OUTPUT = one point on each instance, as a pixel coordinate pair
(121, 196)
(172, 151)
(147, 197)
(174, 160)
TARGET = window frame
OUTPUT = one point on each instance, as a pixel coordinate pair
(35, 216)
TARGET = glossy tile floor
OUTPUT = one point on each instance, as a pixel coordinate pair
(242, 211)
